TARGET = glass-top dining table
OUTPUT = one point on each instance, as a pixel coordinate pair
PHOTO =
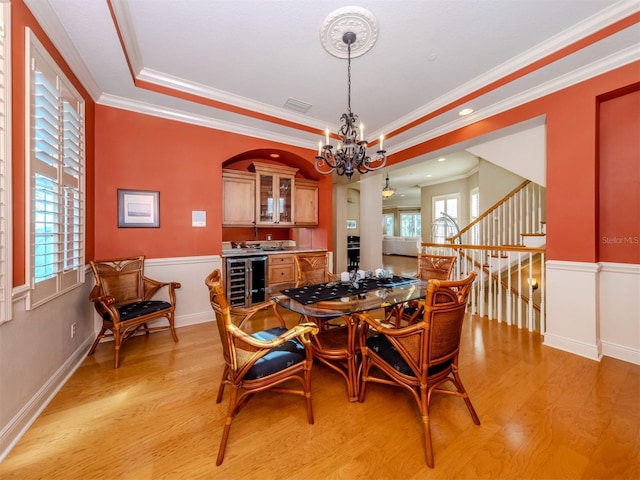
(322, 301)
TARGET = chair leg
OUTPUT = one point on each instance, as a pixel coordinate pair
(96, 341)
(227, 425)
(363, 377)
(117, 340)
(223, 382)
(428, 445)
(463, 393)
(173, 329)
(307, 393)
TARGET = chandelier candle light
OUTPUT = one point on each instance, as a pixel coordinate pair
(351, 153)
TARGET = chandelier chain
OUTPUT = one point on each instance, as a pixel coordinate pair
(350, 156)
(349, 77)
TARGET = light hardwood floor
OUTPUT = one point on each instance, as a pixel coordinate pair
(545, 414)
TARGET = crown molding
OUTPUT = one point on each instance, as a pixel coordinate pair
(620, 59)
(122, 14)
(581, 30)
(200, 120)
(48, 20)
(204, 91)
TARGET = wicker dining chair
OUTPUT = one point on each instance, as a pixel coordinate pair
(261, 360)
(333, 345)
(313, 267)
(423, 356)
(430, 267)
(123, 297)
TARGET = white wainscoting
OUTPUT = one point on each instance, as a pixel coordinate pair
(620, 311)
(593, 309)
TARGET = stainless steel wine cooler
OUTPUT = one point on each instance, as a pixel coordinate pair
(246, 280)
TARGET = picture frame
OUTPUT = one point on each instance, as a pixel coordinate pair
(352, 224)
(138, 209)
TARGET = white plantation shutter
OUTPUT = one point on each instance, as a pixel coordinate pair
(475, 213)
(57, 179)
(5, 164)
(446, 204)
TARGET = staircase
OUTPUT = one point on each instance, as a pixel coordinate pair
(505, 247)
(516, 218)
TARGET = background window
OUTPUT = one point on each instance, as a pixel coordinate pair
(445, 217)
(387, 224)
(410, 224)
(446, 204)
(475, 213)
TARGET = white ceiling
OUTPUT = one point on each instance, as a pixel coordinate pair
(256, 54)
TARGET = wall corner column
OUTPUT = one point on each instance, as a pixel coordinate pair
(573, 322)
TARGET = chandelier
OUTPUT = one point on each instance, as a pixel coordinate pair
(351, 152)
(387, 191)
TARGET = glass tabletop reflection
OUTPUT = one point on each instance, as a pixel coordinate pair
(340, 298)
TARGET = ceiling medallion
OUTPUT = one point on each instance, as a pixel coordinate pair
(349, 19)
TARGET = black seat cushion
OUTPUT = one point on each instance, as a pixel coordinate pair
(279, 358)
(387, 352)
(138, 309)
(410, 309)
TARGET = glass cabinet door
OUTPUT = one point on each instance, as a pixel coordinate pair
(285, 191)
(274, 194)
(266, 212)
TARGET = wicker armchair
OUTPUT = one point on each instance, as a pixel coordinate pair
(123, 296)
(261, 360)
(331, 346)
(435, 267)
(313, 267)
(423, 356)
(430, 267)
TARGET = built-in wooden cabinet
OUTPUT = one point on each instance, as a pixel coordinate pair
(268, 196)
(306, 202)
(238, 198)
(282, 268)
(274, 194)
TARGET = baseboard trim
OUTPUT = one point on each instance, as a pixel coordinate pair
(621, 352)
(593, 352)
(20, 423)
(194, 319)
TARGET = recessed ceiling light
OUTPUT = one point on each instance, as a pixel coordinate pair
(441, 159)
(275, 155)
(465, 111)
(429, 175)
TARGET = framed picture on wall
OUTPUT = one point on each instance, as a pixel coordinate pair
(352, 224)
(138, 208)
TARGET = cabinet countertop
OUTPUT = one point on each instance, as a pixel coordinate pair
(252, 252)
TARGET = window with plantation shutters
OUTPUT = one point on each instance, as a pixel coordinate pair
(447, 205)
(56, 197)
(5, 164)
(475, 213)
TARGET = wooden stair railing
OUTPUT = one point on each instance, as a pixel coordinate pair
(511, 291)
(519, 212)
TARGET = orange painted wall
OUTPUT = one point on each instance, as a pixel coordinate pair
(619, 178)
(21, 18)
(571, 119)
(184, 163)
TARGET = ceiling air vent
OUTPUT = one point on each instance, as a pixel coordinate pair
(297, 105)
